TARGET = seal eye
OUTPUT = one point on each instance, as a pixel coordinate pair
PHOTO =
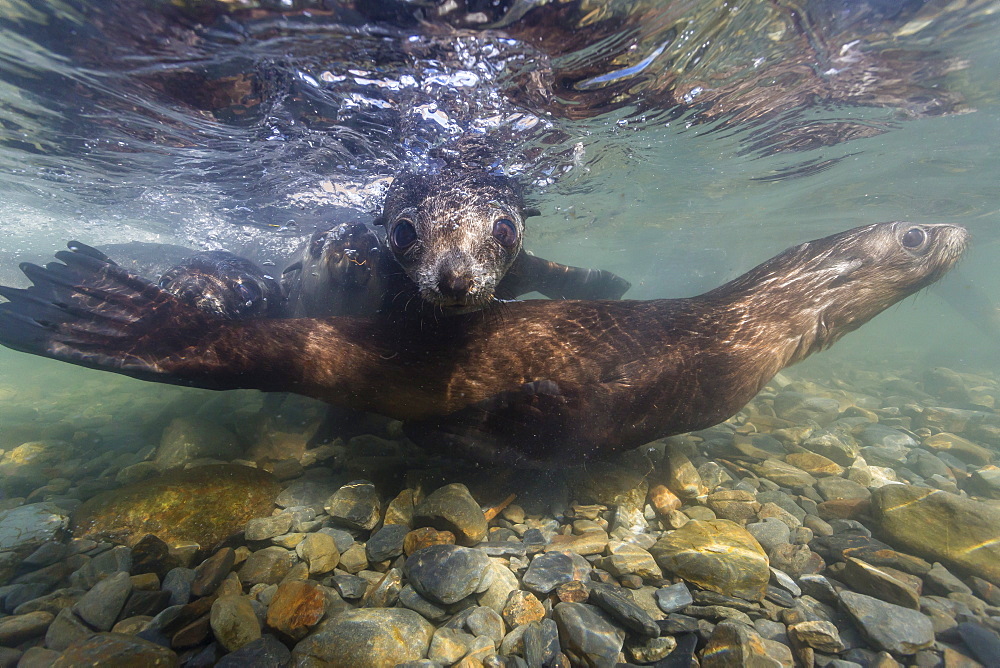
(505, 232)
(914, 238)
(403, 235)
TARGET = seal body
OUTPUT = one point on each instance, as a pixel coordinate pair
(576, 378)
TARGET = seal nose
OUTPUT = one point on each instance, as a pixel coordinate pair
(454, 285)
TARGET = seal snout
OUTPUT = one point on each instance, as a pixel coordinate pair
(454, 285)
(454, 281)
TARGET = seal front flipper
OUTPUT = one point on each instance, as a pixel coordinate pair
(530, 273)
(515, 427)
(89, 311)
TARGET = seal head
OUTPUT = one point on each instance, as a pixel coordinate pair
(455, 234)
(226, 285)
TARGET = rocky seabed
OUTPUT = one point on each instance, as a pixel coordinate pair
(853, 522)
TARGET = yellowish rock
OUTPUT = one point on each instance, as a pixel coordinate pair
(173, 506)
(718, 555)
(954, 530)
(960, 447)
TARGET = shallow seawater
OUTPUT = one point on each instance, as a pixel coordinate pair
(677, 144)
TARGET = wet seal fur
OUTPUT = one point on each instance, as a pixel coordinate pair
(564, 378)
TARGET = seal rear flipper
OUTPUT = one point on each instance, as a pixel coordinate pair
(513, 428)
(530, 273)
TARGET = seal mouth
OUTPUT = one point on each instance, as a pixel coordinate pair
(467, 303)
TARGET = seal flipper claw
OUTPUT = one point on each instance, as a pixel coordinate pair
(84, 249)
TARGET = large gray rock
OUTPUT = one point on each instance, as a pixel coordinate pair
(945, 527)
(27, 527)
(448, 573)
(186, 439)
(101, 606)
(889, 627)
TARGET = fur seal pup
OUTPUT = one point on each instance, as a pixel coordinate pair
(454, 239)
(577, 378)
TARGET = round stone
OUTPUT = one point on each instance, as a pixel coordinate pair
(673, 598)
(449, 645)
(234, 622)
(522, 607)
(355, 505)
(718, 555)
(375, 637)
(628, 559)
(267, 566)
(833, 488)
(447, 573)
(425, 537)
(262, 528)
(770, 532)
(319, 551)
(295, 608)
(736, 644)
(484, 622)
(551, 569)
(101, 606)
(452, 508)
(821, 635)
(889, 627)
(586, 632)
(386, 543)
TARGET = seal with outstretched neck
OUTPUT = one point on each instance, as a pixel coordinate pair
(565, 378)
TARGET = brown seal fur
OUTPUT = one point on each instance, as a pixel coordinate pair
(572, 378)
